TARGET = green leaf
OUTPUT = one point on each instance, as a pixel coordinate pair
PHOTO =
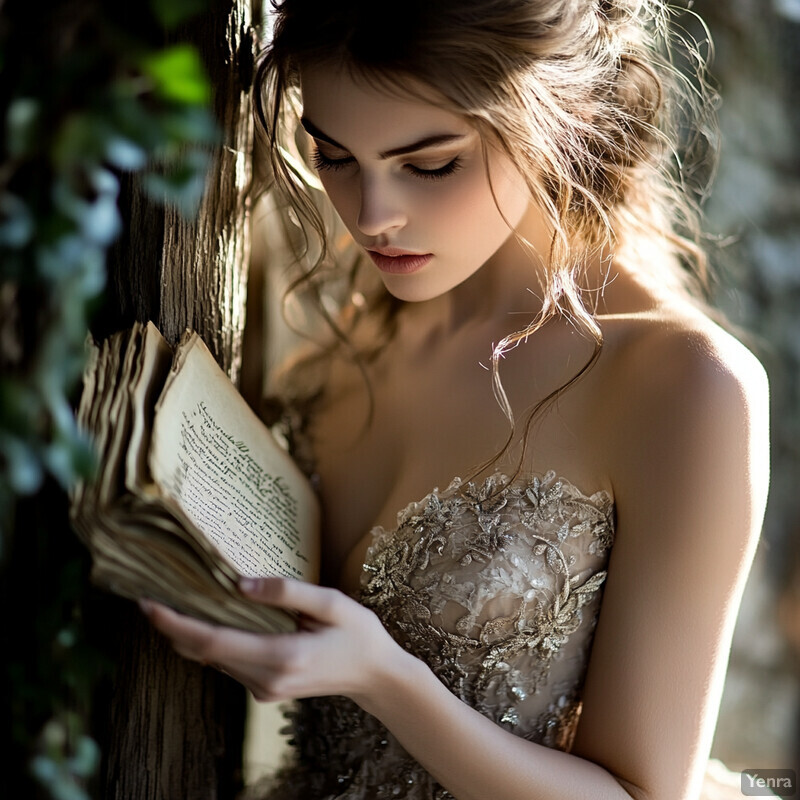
(183, 186)
(45, 770)
(66, 638)
(172, 12)
(25, 472)
(86, 758)
(192, 124)
(124, 154)
(133, 119)
(178, 74)
(22, 124)
(16, 222)
(97, 220)
(79, 141)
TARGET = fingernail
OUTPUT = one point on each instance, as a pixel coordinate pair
(247, 585)
(146, 606)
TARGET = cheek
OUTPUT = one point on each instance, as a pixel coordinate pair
(462, 203)
(483, 217)
(343, 194)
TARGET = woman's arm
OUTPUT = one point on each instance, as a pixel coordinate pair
(691, 448)
(343, 649)
(690, 475)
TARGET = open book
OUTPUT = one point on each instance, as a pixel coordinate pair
(192, 491)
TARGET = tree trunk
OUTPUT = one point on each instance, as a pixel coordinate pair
(175, 728)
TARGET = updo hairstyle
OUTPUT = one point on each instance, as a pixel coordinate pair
(581, 95)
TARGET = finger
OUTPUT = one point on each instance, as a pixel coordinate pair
(190, 637)
(228, 647)
(319, 602)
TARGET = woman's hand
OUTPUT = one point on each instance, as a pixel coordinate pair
(340, 648)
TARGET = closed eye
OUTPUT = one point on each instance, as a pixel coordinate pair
(323, 162)
(435, 174)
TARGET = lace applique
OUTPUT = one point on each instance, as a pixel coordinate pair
(556, 726)
(497, 587)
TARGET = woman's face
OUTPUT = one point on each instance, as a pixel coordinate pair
(409, 180)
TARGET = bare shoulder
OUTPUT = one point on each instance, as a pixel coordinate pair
(689, 417)
(675, 365)
(688, 453)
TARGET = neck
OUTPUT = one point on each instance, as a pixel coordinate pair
(506, 293)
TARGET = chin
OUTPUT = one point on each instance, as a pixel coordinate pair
(411, 291)
(425, 285)
(408, 296)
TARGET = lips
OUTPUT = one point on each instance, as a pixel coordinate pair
(398, 262)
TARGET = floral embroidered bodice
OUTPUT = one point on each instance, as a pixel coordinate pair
(497, 587)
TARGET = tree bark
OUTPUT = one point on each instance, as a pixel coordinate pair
(175, 728)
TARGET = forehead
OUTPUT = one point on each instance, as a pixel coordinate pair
(374, 115)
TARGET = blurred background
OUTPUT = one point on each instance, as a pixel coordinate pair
(754, 208)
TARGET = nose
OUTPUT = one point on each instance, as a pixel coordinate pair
(382, 208)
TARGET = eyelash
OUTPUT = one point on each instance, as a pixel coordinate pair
(322, 162)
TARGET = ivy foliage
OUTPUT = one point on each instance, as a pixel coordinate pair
(90, 92)
(107, 97)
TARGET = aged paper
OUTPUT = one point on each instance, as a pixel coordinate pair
(218, 462)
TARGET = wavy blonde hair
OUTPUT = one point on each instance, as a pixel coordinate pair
(584, 96)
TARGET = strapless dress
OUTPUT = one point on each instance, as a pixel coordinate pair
(496, 586)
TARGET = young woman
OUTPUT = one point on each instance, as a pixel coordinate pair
(554, 621)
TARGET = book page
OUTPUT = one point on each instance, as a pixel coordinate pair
(146, 384)
(213, 457)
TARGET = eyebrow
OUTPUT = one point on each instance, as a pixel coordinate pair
(420, 144)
